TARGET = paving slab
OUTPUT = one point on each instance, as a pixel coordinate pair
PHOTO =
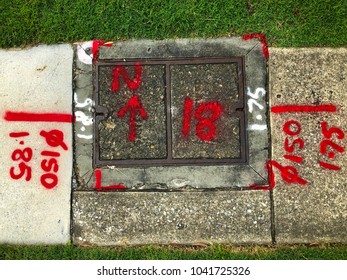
(310, 201)
(171, 217)
(36, 130)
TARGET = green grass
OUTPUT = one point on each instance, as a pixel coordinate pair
(286, 23)
(214, 252)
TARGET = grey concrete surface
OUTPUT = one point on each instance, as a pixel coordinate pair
(171, 217)
(35, 80)
(82, 107)
(317, 211)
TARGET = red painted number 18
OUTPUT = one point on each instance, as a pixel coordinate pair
(206, 115)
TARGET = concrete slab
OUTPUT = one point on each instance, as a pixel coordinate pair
(35, 125)
(314, 207)
(171, 217)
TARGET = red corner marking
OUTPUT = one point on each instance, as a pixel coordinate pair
(262, 40)
(95, 48)
(288, 173)
(100, 188)
(271, 177)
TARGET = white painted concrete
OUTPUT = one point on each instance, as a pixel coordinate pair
(35, 80)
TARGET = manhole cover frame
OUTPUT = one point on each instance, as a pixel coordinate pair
(238, 110)
(211, 177)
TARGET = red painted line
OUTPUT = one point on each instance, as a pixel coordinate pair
(19, 134)
(110, 188)
(50, 154)
(297, 159)
(329, 166)
(134, 106)
(97, 174)
(100, 188)
(37, 117)
(303, 108)
(187, 115)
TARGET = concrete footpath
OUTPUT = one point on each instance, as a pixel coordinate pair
(179, 141)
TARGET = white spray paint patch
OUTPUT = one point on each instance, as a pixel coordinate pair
(82, 117)
(254, 107)
(257, 127)
(82, 54)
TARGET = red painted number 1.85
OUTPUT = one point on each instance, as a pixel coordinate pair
(22, 156)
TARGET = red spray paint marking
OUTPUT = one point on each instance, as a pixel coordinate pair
(54, 138)
(328, 143)
(23, 168)
(49, 180)
(187, 115)
(50, 154)
(134, 107)
(328, 133)
(297, 159)
(303, 109)
(329, 166)
(271, 178)
(205, 128)
(262, 40)
(100, 188)
(287, 128)
(288, 173)
(290, 148)
(37, 117)
(132, 84)
(95, 48)
(19, 134)
(26, 154)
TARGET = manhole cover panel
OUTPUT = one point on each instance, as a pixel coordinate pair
(170, 112)
(149, 135)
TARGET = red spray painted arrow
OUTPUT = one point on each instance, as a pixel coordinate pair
(134, 107)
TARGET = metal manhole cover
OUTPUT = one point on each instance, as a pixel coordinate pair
(186, 111)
